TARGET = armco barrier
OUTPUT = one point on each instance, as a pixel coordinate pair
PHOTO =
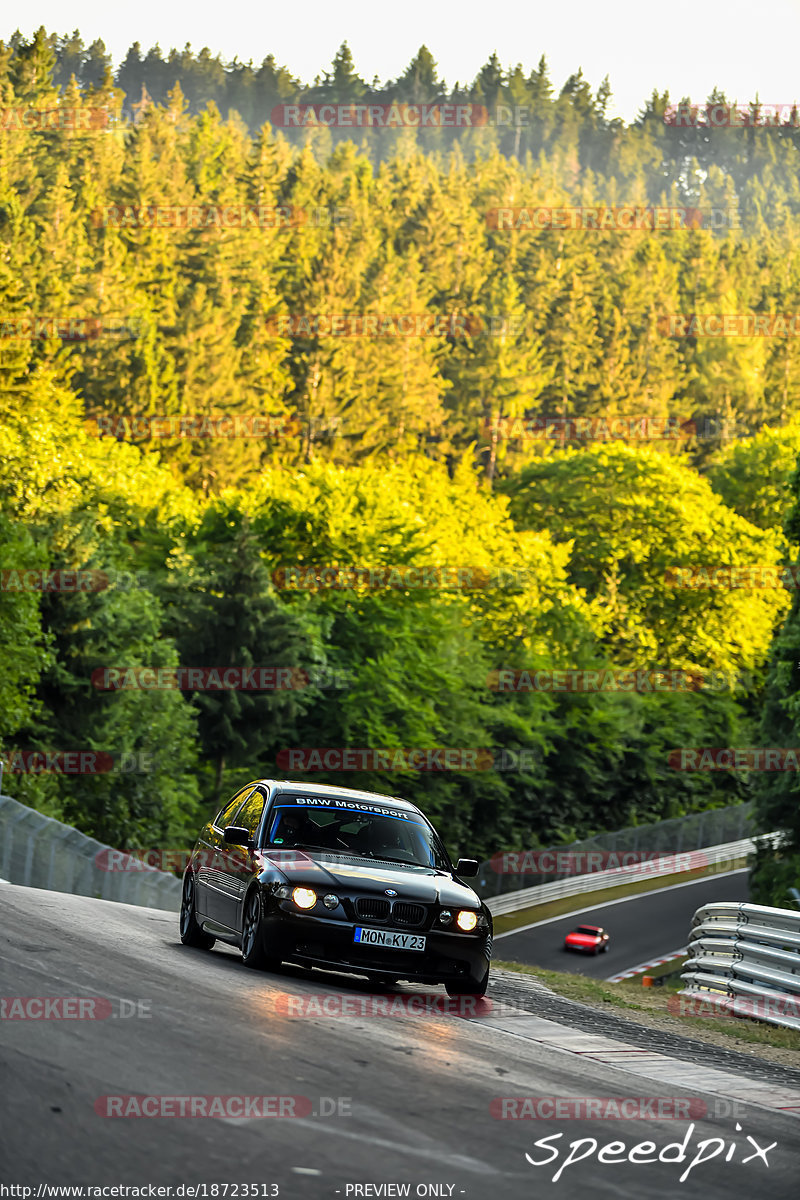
(746, 959)
(677, 835)
(41, 852)
(670, 864)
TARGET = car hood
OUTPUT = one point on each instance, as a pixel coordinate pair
(346, 874)
(584, 939)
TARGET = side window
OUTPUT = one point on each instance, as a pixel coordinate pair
(251, 812)
(228, 813)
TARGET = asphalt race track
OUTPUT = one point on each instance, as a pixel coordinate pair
(641, 929)
(412, 1093)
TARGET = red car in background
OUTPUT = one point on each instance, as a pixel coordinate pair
(590, 939)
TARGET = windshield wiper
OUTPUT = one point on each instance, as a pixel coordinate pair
(403, 862)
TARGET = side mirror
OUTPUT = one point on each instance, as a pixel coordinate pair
(468, 867)
(236, 835)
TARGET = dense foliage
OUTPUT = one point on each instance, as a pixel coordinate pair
(384, 452)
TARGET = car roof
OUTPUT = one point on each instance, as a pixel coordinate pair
(588, 929)
(294, 787)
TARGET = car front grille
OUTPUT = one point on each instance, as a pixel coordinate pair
(408, 914)
(373, 908)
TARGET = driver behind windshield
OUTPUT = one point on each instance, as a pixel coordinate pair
(377, 837)
(294, 829)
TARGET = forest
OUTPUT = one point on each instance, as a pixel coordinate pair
(403, 427)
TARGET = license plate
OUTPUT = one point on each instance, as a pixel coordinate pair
(388, 939)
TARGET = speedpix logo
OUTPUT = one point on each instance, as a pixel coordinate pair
(616, 1153)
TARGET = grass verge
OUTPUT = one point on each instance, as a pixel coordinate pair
(651, 1008)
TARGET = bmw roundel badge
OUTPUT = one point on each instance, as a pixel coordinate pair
(390, 892)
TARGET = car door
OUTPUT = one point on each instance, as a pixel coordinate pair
(236, 863)
(211, 876)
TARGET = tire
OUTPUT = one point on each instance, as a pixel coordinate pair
(468, 986)
(253, 953)
(191, 933)
(605, 948)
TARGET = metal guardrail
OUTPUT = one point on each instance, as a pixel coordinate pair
(669, 864)
(745, 960)
(40, 852)
(677, 835)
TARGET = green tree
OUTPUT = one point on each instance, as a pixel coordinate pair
(650, 513)
(777, 866)
(223, 612)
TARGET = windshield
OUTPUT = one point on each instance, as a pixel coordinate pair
(378, 833)
(590, 929)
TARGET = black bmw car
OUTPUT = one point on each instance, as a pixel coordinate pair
(340, 879)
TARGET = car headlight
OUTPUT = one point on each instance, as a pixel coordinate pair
(283, 892)
(304, 897)
(330, 901)
(445, 917)
(467, 920)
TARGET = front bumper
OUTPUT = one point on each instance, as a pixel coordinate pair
(325, 942)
